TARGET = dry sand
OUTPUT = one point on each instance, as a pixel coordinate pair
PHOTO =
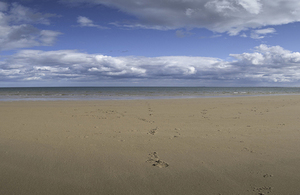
(240, 145)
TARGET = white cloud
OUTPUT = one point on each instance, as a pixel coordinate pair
(252, 6)
(47, 37)
(231, 16)
(243, 35)
(266, 65)
(17, 30)
(272, 57)
(21, 14)
(261, 33)
(76, 66)
(271, 64)
(86, 22)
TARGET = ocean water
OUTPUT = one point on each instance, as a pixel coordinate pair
(127, 93)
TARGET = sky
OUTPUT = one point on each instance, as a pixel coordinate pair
(224, 43)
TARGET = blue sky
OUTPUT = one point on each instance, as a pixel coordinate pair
(149, 43)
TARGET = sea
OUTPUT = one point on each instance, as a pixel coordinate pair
(135, 93)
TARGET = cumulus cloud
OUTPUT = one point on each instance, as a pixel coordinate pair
(231, 16)
(271, 64)
(73, 65)
(17, 27)
(86, 22)
(266, 65)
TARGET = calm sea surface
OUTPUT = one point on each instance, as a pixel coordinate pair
(127, 93)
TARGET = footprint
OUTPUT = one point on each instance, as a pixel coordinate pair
(155, 161)
(263, 190)
(177, 132)
(145, 120)
(267, 175)
(153, 131)
(247, 149)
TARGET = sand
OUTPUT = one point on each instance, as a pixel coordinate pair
(238, 145)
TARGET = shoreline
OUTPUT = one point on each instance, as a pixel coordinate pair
(141, 98)
(237, 145)
(136, 93)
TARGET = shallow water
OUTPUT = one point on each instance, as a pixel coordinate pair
(127, 93)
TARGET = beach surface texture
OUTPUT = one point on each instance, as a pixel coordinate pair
(228, 146)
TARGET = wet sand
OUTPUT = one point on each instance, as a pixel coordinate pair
(238, 145)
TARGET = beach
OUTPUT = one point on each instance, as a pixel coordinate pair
(221, 145)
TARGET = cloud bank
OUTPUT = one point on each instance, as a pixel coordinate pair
(230, 16)
(266, 65)
(17, 27)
